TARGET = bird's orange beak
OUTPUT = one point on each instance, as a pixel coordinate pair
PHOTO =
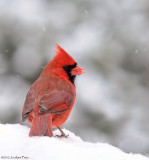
(77, 71)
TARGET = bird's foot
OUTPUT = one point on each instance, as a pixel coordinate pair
(62, 136)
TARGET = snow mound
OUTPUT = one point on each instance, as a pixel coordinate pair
(16, 144)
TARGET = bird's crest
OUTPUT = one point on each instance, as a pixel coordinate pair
(62, 57)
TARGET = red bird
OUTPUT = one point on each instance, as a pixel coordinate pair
(51, 97)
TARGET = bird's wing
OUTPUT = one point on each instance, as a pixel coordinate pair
(56, 101)
(28, 105)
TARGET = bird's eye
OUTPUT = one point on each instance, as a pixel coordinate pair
(68, 68)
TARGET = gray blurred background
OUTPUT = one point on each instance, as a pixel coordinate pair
(108, 38)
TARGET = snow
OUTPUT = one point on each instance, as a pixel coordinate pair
(95, 34)
(16, 144)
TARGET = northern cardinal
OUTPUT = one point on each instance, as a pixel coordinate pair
(51, 97)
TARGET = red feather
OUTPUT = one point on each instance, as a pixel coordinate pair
(52, 96)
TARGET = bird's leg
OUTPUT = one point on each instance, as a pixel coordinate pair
(62, 134)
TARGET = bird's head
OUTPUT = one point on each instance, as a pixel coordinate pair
(66, 63)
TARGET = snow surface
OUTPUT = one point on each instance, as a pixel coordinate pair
(16, 144)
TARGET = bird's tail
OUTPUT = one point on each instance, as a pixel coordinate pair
(41, 126)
